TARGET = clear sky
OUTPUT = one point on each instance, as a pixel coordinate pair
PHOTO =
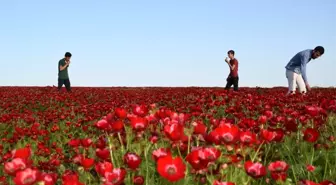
(164, 43)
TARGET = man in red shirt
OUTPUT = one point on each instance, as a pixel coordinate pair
(233, 78)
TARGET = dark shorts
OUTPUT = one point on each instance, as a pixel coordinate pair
(65, 82)
(232, 81)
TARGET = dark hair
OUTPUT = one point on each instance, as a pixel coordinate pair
(320, 49)
(67, 54)
(231, 51)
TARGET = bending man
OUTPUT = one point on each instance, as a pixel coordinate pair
(296, 69)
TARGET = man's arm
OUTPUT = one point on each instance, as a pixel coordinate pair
(231, 66)
(63, 67)
(304, 61)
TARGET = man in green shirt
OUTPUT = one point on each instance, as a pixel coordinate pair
(63, 76)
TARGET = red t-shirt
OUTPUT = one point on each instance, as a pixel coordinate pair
(234, 72)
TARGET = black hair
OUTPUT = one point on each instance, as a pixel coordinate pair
(231, 51)
(68, 54)
(320, 49)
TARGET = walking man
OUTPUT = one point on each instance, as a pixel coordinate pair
(233, 78)
(296, 69)
(63, 76)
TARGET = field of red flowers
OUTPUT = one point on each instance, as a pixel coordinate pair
(161, 136)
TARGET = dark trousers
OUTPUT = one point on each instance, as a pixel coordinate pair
(66, 82)
(232, 81)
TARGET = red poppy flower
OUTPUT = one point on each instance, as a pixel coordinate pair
(255, 170)
(153, 139)
(139, 123)
(235, 158)
(223, 183)
(174, 131)
(140, 110)
(313, 110)
(48, 178)
(117, 126)
(132, 160)
(103, 167)
(86, 142)
(269, 114)
(311, 135)
(138, 180)
(268, 135)
(87, 163)
(159, 153)
(120, 113)
(15, 165)
(23, 153)
(194, 160)
(279, 134)
(279, 176)
(310, 168)
(77, 159)
(101, 143)
(278, 166)
(70, 178)
(102, 124)
(172, 169)
(74, 142)
(262, 119)
(247, 137)
(103, 153)
(27, 176)
(201, 157)
(307, 182)
(225, 133)
(326, 182)
(199, 128)
(116, 177)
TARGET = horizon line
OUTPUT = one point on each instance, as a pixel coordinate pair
(160, 86)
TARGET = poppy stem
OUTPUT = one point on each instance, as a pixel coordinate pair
(248, 181)
(147, 170)
(293, 170)
(89, 178)
(121, 143)
(110, 147)
(268, 148)
(255, 155)
(189, 138)
(84, 153)
(325, 167)
(179, 152)
(312, 158)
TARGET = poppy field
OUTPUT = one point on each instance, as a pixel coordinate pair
(161, 136)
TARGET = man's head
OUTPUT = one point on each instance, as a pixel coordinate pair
(317, 52)
(231, 54)
(67, 56)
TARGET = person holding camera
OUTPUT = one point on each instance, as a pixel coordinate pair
(233, 77)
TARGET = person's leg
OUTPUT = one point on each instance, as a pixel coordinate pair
(229, 83)
(291, 77)
(235, 83)
(60, 84)
(67, 85)
(301, 84)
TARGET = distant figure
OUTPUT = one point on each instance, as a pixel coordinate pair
(63, 76)
(233, 78)
(296, 69)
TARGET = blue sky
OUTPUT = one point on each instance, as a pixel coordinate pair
(164, 43)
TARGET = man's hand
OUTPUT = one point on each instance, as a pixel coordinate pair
(227, 60)
(308, 87)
